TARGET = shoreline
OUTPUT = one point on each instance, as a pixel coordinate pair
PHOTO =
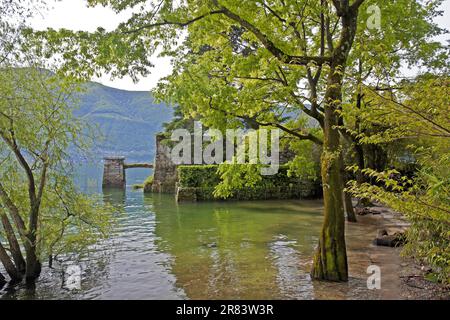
(402, 278)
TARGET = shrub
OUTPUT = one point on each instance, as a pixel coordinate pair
(148, 184)
(211, 183)
(198, 176)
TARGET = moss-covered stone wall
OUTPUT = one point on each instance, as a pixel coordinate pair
(197, 183)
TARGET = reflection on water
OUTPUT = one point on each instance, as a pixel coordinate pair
(238, 249)
(215, 250)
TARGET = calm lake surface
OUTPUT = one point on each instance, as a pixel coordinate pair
(215, 250)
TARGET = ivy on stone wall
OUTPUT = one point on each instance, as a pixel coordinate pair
(196, 176)
(201, 181)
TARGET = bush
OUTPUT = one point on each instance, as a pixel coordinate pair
(198, 176)
(148, 181)
(148, 184)
(207, 179)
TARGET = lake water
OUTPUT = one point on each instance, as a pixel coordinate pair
(212, 250)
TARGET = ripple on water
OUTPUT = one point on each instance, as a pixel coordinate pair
(219, 250)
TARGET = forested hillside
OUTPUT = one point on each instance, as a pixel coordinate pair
(126, 120)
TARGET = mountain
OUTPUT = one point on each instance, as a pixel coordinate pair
(127, 120)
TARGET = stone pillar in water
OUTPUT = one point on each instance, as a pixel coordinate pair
(165, 171)
(114, 172)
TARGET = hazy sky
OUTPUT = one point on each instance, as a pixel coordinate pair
(73, 14)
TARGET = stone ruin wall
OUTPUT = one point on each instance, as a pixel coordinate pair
(165, 175)
(114, 172)
(165, 171)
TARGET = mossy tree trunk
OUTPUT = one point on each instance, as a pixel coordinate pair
(33, 265)
(330, 261)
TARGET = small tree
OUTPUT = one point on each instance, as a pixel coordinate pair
(419, 114)
(39, 206)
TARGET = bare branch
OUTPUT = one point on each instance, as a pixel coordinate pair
(176, 23)
(294, 133)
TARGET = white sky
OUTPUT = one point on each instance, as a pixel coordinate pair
(73, 14)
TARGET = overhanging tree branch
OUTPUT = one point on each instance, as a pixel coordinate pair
(419, 114)
(269, 45)
(266, 42)
(165, 22)
(292, 132)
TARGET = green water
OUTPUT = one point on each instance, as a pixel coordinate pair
(245, 250)
(214, 250)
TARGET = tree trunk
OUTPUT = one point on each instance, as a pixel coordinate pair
(9, 266)
(360, 179)
(359, 161)
(330, 261)
(348, 205)
(33, 269)
(349, 210)
(13, 244)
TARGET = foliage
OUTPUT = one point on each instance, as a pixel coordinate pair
(148, 183)
(306, 159)
(179, 121)
(232, 180)
(428, 235)
(222, 70)
(198, 176)
(14, 18)
(420, 115)
(48, 214)
(418, 109)
(235, 177)
(71, 221)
